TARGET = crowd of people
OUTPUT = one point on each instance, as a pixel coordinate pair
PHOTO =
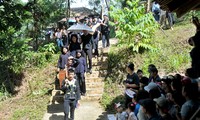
(172, 97)
(164, 18)
(77, 50)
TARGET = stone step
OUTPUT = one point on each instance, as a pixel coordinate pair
(102, 67)
(96, 75)
(93, 97)
(57, 92)
(100, 63)
(99, 59)
(57, 99)
(89, 80)
(91, 91)
(94, 85)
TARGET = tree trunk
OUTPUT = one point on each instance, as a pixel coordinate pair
(35, 26)
(148, 5)
(107, 5)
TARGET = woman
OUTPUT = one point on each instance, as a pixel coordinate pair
(74, 45)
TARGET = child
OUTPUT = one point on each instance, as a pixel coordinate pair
(140, 73)
(131, 114)
(71, 89)
(121, 115)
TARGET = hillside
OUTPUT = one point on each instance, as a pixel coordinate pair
(171, 54)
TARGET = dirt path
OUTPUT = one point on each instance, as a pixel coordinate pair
(87, 111)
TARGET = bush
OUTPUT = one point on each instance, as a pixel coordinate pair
(135, 28)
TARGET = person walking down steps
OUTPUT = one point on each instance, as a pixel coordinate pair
(80, 71)
(71, 89)
(88, 45)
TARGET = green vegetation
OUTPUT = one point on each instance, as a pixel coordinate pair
(134, 28)
(33, 98)
(170, 56)
(27, 61)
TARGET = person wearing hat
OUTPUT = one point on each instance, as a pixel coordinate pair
(71, 89)
(131, 83)
(148, 107)
(151, 86)
(80, 71)
(162, 105)
(121, 114)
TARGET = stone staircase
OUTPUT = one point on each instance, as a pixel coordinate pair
(94, 81)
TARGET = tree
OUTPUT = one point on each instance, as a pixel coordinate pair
(135, 28)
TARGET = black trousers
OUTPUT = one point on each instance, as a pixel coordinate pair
(107, 37)
(127, 100)
(88, 54)
(81, 79)
(96, 52)
(69, 106)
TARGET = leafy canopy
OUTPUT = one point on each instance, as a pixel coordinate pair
(135, 28)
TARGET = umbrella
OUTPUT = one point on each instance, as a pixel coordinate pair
(63, 20)
(80, 28)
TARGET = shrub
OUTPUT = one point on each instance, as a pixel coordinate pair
(135, 28)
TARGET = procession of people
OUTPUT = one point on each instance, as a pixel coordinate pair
(78, 45)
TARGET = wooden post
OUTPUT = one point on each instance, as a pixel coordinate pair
(148, 5)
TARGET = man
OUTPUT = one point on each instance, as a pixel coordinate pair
(58, 36)
(131, 84)
(77, 19)
(65, 36)
(71, 89)
(88, 45)
(96, 36)
(105, 30)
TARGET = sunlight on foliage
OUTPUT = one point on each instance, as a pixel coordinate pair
(135, 28)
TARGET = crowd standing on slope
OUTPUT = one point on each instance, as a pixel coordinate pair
(172, 97)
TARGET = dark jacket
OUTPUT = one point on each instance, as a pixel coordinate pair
(82, 67)
(87, 41)
(73, 47)
(195, 55)
(62, 61)
(72, 92)
(105, 28)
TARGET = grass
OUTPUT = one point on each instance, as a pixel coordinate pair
(170, 56)
(32, 100)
